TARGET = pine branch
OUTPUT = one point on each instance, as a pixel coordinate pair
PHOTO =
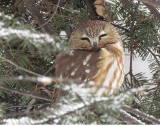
(19, 67)
(154, 3)
(27, 105)
(158, 80)
(64, 110)
(42, 79)
(118, 26)
(91, 9)
(56, 114)
(153, 10)
(127, 118)
(142, 115)
(2, 86)
(79, 104)
(57, 6)
(20, 114)
(157, 61)
(132, 41)
(38, 17)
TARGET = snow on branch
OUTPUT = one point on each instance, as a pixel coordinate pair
(19, 67)
(141, 114)
(127, 118)
(39, 40)
(25, 34)
(58, 114)
(40, 79)
(80, 97)
(154, 3)
(33, 95)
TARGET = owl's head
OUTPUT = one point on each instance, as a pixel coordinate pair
(93, 35)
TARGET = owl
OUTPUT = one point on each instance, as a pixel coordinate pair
(96, 55)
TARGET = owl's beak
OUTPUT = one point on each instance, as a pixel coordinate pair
(95, 45)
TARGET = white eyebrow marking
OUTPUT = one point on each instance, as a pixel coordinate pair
(84, 35)
(102, 32)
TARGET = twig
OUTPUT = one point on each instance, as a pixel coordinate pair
(153, 10)
(132, 41)
(23, 113)
(155, 3)
(158, 80)
(38, 17)
(24, 93)
(19, 67)
(118, 26)
(51, 68)
(135, 79)
(154, 97)
(22, 106)
(71, 11)
(44, 80)
(50, 80)
(157, 61)
(20, 114)
(91, 9)
(69, 109)
(127, 118)
(51, 15)
(142, 115)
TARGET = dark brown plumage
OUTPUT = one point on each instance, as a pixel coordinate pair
(81, 64)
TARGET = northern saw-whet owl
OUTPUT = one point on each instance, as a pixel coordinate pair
(97, 55)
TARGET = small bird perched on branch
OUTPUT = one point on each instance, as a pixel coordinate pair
(97, 55)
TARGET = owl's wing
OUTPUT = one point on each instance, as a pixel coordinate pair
(78, 64)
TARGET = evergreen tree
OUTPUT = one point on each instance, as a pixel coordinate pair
(31, 38)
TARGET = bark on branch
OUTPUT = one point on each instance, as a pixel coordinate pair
(142, 115)
(37, 16)
(153, 10)
(58, 3)
(154, 3)
(2, 86)
(91, 9)
(128, 119)
(19, 67)
(132, 40)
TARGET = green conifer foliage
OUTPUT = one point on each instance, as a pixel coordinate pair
(30, 40)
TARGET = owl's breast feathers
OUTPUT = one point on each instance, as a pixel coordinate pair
(78, 64)
(105, 67)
